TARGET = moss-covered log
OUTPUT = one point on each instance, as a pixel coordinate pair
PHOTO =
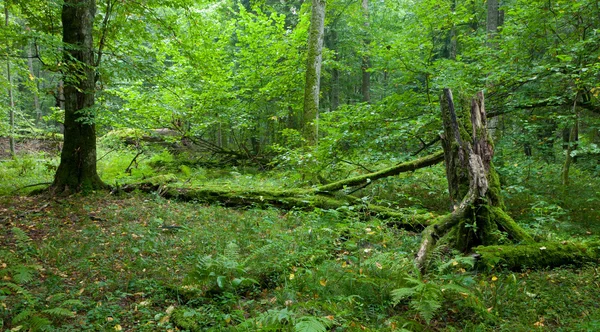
(538, 255)
(306, 199)
(409, 166)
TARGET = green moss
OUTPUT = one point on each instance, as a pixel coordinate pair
(185, 321)
(538, 255)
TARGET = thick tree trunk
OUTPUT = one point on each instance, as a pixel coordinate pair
(313, 71)
(473, 184)
(77, 169)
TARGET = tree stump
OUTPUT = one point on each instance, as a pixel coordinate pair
(478, 217)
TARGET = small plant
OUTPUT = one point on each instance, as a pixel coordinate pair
(286, 319)
(224, 273)
(28, 311)
(426, 297)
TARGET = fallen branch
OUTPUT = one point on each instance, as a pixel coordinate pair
(408, 166)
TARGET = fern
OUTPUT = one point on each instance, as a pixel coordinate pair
(59, 312)
(23, 241)
(426, 308)
(22, 316)
(23, 274)
(458, 261)
(312, 324)
(402, 293)
(37, 323)
(18, 290)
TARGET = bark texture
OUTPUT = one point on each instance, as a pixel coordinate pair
(77, 169)
(313, 71)
(473, 184)
(11, 99)
(366, 60)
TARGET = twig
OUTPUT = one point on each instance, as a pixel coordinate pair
(128, 169)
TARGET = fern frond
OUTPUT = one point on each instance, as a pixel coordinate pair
(312, 324)
(402, 293)
(456, 289)
(23, 274)
(37, 323)
(59, 312)
(22, 316)
(426, 308)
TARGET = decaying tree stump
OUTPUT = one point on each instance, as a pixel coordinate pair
(478, 217)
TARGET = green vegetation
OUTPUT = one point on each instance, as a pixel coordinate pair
(140, 261)
(208, 165)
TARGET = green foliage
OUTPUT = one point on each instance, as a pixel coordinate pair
(223, 273)
(427, 296)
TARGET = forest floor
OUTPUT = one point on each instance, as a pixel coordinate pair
(140, 262)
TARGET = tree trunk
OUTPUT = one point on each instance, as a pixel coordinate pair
(11, 99)
(366, 60)
(571, 146)
(334, 93)
(36, 99)
(492, 24)
(77, 169)
(473, 184)
(493, 21)
(313, 71)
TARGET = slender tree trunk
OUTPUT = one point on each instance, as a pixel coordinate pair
(36, 99)
(571, 146)
(11, 99)
(366, 60)
(313, 71)
(77, 169)
(334, 92)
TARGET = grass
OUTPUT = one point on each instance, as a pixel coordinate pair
(142, 263)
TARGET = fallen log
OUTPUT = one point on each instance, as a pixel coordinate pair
(304, 199)
(408, 166)
(537, 255)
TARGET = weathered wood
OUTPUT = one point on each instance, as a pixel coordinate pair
(473, 184)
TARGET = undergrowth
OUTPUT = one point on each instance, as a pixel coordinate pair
(141, 262)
